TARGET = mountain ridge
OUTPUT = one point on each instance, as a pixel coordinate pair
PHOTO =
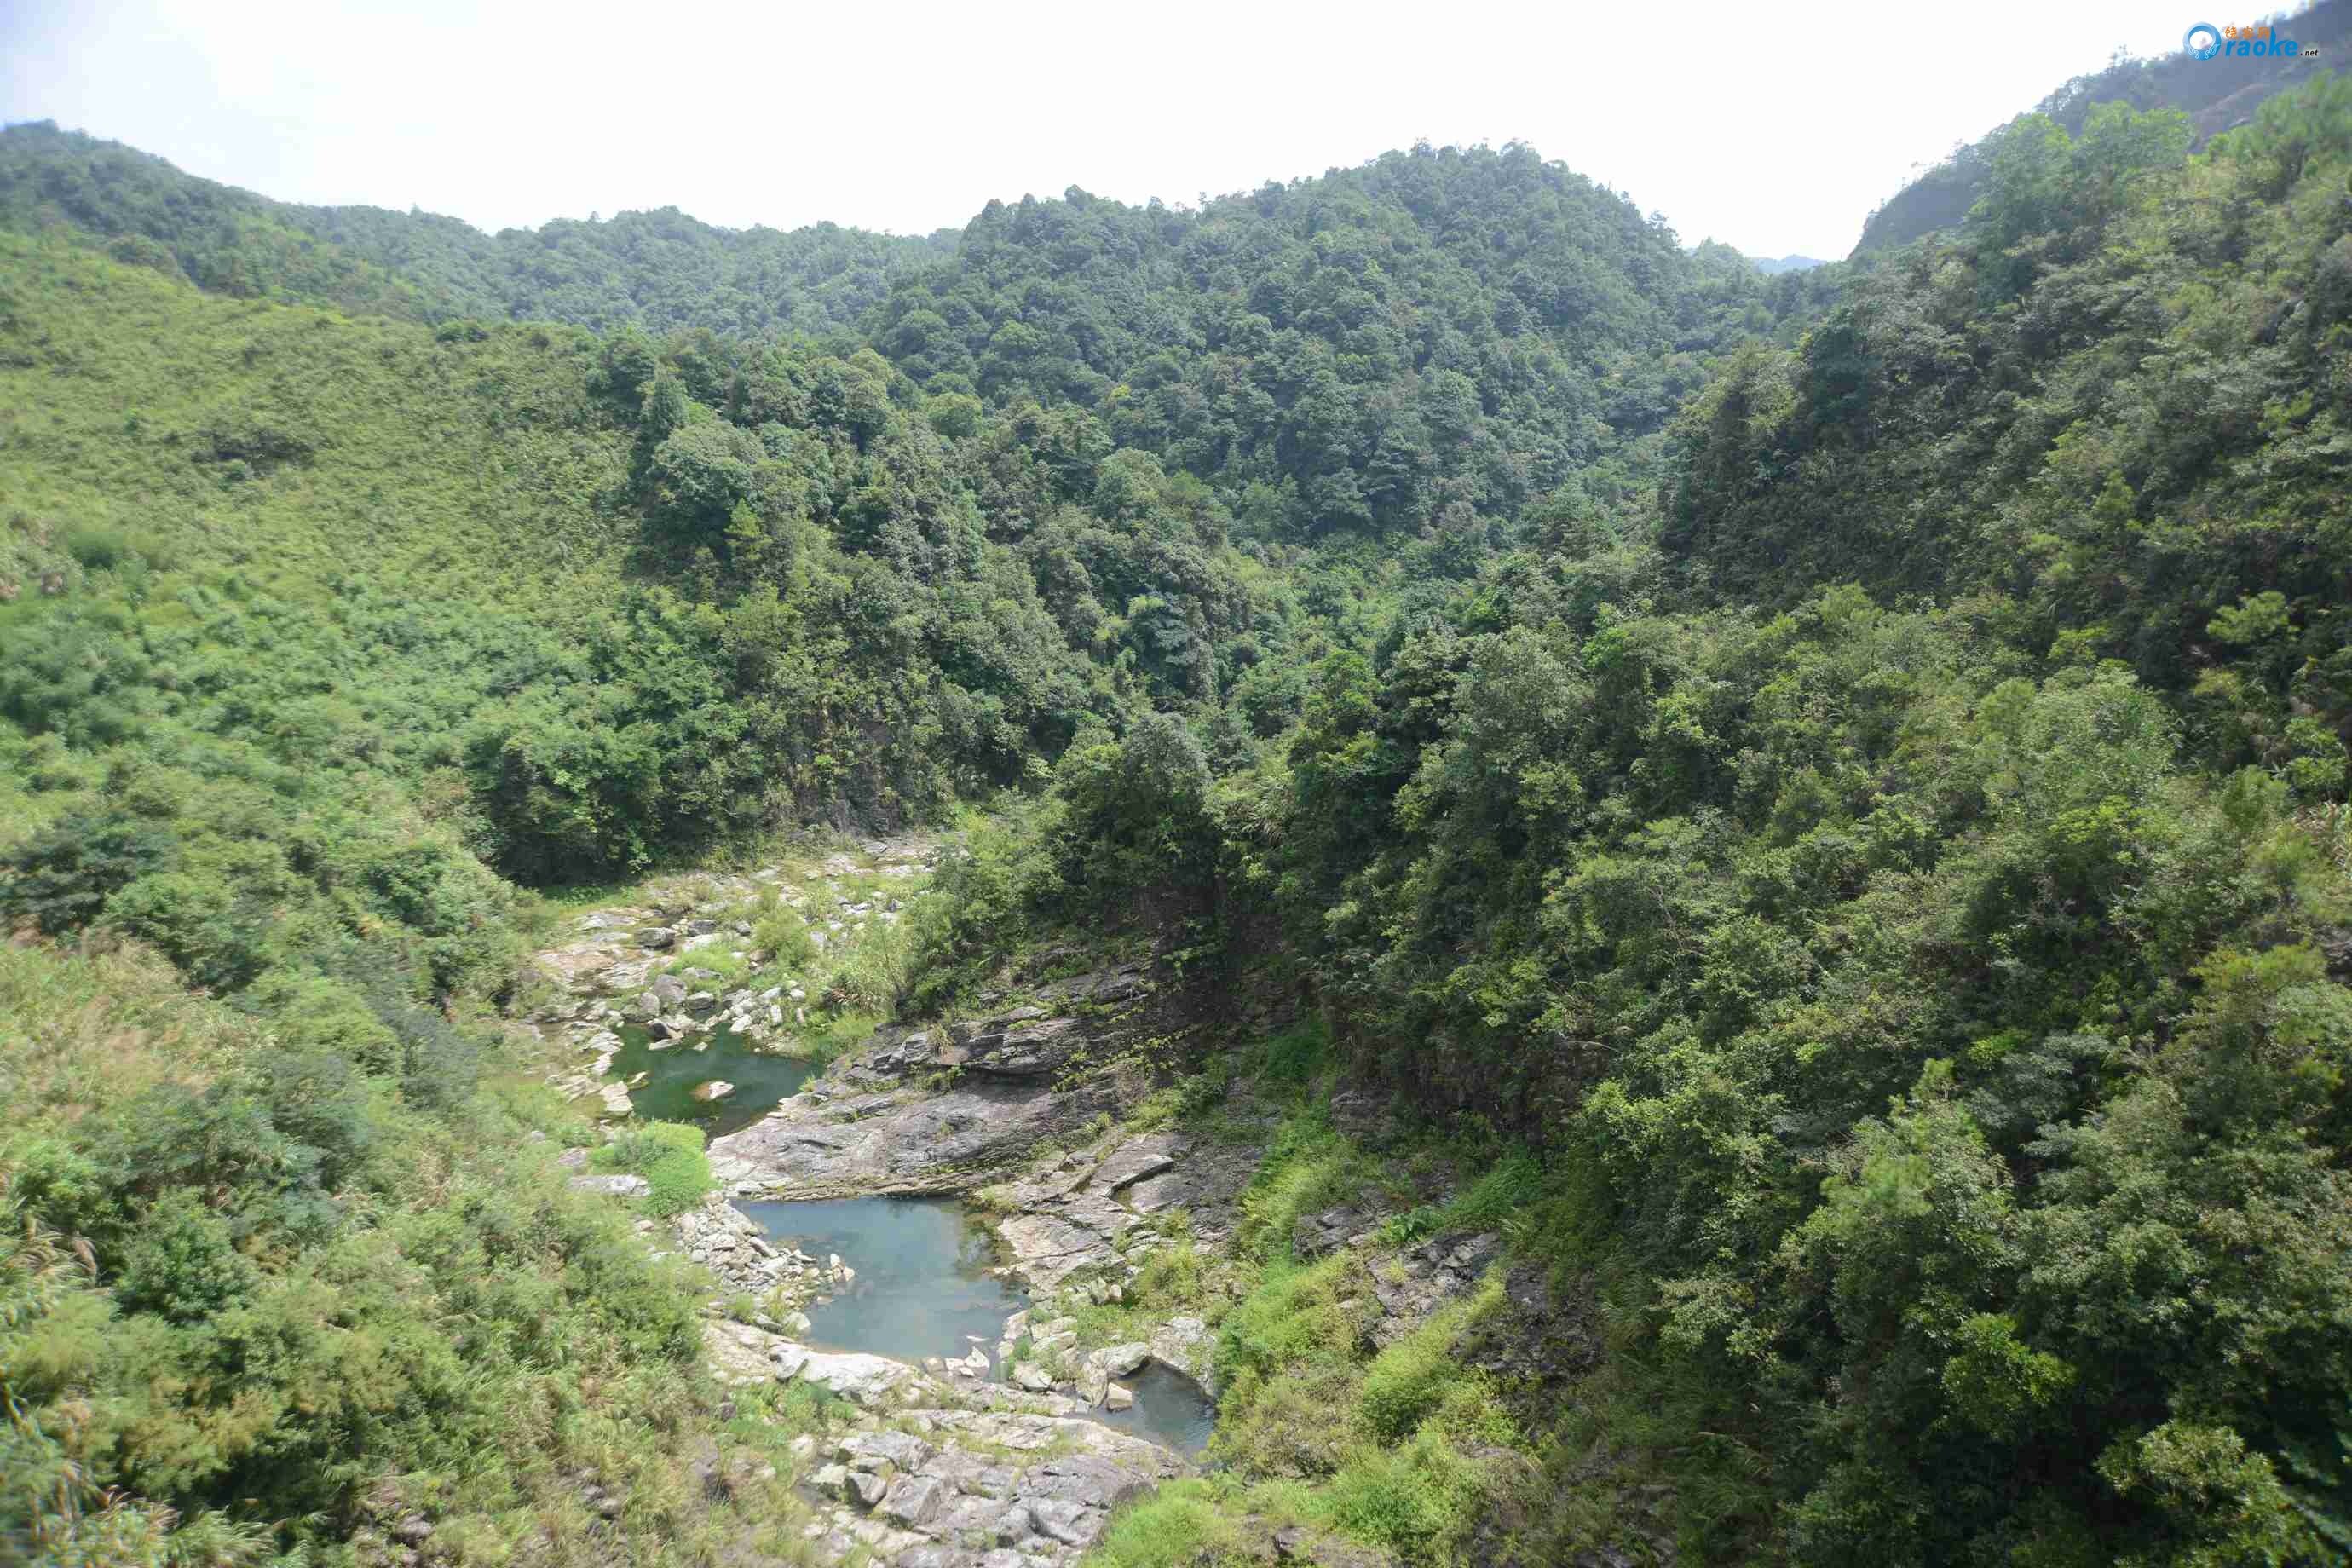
(2216, 94)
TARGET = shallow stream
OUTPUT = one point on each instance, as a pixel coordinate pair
(923, 1288)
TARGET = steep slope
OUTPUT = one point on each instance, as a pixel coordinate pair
(2109, 402)
(1913, 1018)
(2215, 94)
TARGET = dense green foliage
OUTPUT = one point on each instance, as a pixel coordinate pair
(1929, 994)
(1432, 341)
(2111, 412)
(1834, 784)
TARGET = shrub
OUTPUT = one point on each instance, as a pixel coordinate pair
(784, 937)
(183, 1264)
(64, 878)
(668, 1155)
(1412, 1498)
(1411, 1378)
(1179, 1526)
(98, 548)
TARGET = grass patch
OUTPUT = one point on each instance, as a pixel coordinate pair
(1413, 1499)
(1180, 1525)
(670, 1156)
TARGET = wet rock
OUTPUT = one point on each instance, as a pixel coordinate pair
(1117, 1397)
(717, 1089)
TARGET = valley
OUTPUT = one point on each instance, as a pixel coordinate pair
(1388, 871)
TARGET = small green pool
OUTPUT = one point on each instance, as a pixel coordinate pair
(761, 1080)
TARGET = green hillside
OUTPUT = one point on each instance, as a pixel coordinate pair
(661, 270)
(1816, 803)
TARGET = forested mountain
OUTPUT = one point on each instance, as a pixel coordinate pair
(661, 270)
(2215, 94)
(1824, 794)
(1904, 893)
(1434, 331)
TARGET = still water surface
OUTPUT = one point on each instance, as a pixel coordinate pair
(761, 1080)
(923, 1288)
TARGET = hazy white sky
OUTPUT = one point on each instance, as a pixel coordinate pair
(1774, 128)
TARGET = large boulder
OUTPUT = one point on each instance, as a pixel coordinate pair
(1137, 1159)
(870, 1380)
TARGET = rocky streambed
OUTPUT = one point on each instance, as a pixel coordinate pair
(945, 1230)
(987, 1435)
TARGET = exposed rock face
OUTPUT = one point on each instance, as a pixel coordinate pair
(822, 1143)
(1427, 1276)
(1088, 1217)
(607, 968)
(1320, 1234)
(875, 1123)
